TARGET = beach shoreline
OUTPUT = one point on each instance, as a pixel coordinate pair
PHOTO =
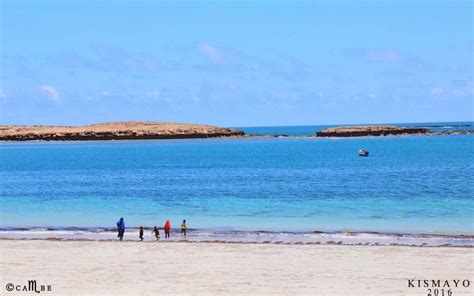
(246, 237)
(120, 268)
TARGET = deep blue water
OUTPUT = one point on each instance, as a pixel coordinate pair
(407, 184)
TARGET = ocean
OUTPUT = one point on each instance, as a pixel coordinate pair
(410, 190)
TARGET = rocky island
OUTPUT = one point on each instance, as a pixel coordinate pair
(129, 130)
(370, 130)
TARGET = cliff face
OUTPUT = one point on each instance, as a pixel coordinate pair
(373, 130)
(114, 131)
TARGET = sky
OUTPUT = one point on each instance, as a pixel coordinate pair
(236, 63)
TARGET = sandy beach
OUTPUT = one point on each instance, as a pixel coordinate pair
(92, 267)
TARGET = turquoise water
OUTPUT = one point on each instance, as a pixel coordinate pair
(416, 184)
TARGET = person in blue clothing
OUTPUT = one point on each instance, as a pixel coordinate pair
(121, 228)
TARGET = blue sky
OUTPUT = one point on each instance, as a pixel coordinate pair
(236, 63)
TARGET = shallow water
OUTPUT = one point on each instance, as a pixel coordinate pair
(416, 184)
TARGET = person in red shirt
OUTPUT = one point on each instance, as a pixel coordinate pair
(167, 228)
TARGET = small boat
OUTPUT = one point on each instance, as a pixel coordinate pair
(363, 152)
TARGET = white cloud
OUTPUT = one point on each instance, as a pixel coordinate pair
(155, 94)
(457, 91)
(379, 55)
(436, 91)
(105, 94)
(50, 92)
(3, 95)
(383, 55)
(195, 98)
(211, 52)
(463, 92)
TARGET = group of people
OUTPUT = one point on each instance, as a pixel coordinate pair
(155, 231)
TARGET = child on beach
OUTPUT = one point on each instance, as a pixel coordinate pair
(156, 232)
(183, 228)
(141, 233)
(167, 228)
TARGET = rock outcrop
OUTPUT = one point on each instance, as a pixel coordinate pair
(371, 130)
(131, 130)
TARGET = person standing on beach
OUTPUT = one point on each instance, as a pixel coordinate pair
(167, 228)
(121, 228)
(156, 232)
(183, 228)
(141, 233)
